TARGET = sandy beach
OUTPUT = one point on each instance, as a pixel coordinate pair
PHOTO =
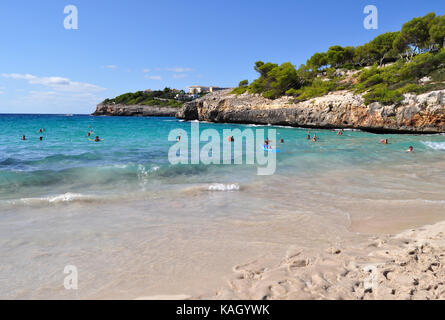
(408, 266)
(310, 231)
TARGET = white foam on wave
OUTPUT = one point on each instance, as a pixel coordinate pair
(61, 198)
(224, 187)
(66, 197)
(255, 125)
(144, 175)
(435, 145)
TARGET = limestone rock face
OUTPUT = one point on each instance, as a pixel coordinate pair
(423, 113)
(134, 110)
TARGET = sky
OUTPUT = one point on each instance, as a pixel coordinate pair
(126, 46)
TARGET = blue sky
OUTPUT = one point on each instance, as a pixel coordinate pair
(132, 45)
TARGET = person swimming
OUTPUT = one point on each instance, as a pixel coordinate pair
(314, 139)
(282, 141)
(384, 141)
(410, 149)
(308, 135)
(41, 138)
(23, 138)
(178, 138)
(266, 142)
(97, 139)
(339, 133)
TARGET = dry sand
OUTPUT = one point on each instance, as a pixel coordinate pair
(409, 265)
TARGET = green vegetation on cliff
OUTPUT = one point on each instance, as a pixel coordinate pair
(394, 63)
(163, 98)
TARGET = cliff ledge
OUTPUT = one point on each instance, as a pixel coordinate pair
(424, 113)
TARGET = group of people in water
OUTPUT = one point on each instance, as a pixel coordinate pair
(229, 139)
(385, 141)
(97, 139)
(42, 130)
(340, 133)
(308, 137)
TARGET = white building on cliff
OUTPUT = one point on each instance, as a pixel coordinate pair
(203, 89)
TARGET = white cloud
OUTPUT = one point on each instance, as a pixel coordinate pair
(179, 69)
(110, 66)
(179, 76)
(54, 94)
(57, 97)
(58, 100)
(154, 77)
(55, 83)
(2, 92)
(146, 70)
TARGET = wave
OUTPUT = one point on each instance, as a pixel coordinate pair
(51, 159)
(71, 197)
(56, 199)
(435, 145)
(14, 181)
(126, 177)
(224, 187)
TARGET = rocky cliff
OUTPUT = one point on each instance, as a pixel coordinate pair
(423, 113)
(134, 110)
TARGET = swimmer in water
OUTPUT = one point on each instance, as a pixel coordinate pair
(384, 141)
(23, 138)
(178, 138)
(410, 149)
(97, 139)
(339, 133)
(314, 139)
(308, 135)
(41, 138)
(282, 141)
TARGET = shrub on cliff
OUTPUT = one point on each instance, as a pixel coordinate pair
(317, 88)
(164, 98)
(387, 85)
(415, 50)
(274, 80)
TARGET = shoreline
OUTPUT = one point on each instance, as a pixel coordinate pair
(310, 204)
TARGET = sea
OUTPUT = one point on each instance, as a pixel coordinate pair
(133, 224)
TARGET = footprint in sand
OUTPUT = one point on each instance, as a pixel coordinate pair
(334, 251)
(297, 264)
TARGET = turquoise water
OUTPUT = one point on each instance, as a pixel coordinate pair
(135, 225)
(134, 154)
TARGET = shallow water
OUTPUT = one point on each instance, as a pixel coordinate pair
(135, 225)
